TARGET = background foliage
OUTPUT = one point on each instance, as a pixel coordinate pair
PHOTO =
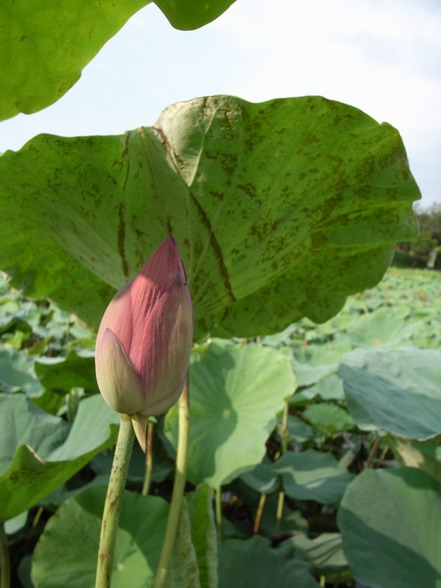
(336, 467)
(424, 251)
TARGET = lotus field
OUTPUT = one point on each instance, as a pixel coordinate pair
(210, 377)
(312, 452)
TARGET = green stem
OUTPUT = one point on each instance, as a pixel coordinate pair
(219, 512)
(148, 460)
(112, 506)
(178, 489)
(283, 449)
(259, 513)
(372, 453)
(279, 512)
(384, 453)
(5, 570)
(284, 440)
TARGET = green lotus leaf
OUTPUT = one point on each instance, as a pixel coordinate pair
(60, 374)
(384, 327)
(299, 431)
(311, 475)
(329, 418)
(395, 390)
(263, 478)
(324, 552)
(40, 452)
(281, 209)
(328, 388)
(45, 45)
(254, 563)
(72, 535)
(192, 15)
(392, 518)
(314, 363)
(16, 523)
(236, 393)
(17, 373)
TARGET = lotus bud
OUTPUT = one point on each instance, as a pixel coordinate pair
(144, 340)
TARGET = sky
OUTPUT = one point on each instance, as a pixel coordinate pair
(382, 56)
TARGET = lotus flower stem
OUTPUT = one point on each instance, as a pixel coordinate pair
(148, 460)
(284, 440)
(5, 570)
(279, 512)
(178, 489)
(372, 453)
(219, 512)
(112, 505)
(283, 449)
(259, 513)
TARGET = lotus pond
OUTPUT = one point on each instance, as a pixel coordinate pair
(314, 455)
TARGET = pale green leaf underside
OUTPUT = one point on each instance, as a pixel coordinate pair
(45, 45)
(281, 209)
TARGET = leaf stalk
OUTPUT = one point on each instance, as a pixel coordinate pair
(178, 489)
(5, 569)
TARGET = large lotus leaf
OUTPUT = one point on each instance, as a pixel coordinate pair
(396, 390)
(67, 550)
(311, 475)
(60, 374)
(390, 522)
(254, 563)
(39, 453)
(235, 395)
(45, 45)
(281, 209)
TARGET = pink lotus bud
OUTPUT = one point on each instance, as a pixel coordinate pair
(144, 341)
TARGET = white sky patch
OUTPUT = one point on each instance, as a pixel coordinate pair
(382, 56)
